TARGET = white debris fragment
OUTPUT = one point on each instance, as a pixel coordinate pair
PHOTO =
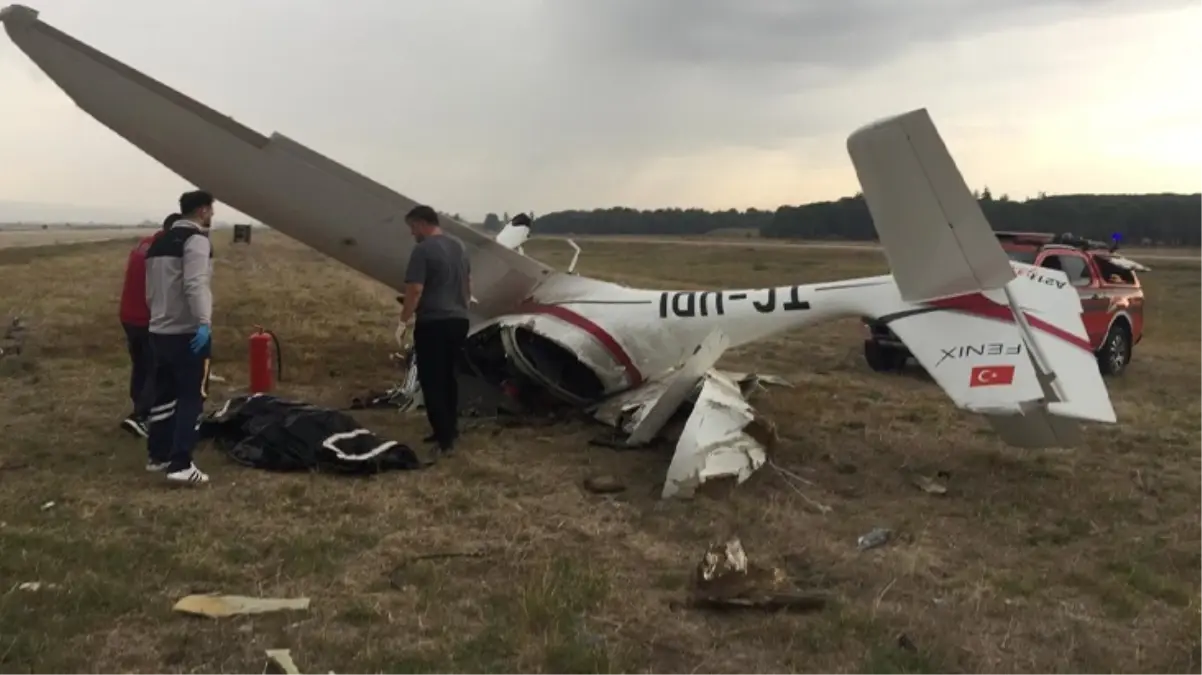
(680, 385)
(35, 586)
(723, 559)
(217, 606)
(714, 443)
(282, 659)
(623, 411)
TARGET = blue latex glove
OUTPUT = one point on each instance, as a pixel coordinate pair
(201, 338)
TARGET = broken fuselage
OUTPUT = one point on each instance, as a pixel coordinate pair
(584, 340)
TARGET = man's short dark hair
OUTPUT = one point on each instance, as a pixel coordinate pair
(422, 214)
(521, 219)
(170, 220)
(190, 202)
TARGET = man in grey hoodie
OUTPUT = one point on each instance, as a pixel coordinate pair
(178, 273)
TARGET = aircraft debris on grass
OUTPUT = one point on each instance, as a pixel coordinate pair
(633, 357)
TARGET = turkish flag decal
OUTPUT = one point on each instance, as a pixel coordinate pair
(988, 376)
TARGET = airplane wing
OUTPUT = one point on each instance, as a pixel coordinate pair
(274, 179)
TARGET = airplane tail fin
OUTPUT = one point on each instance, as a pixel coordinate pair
(1010, 346)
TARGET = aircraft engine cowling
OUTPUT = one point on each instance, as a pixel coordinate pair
(569, 357)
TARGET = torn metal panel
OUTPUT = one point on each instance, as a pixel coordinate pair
(282, 660)
(680, 385)
(721, 560)
(761, 378)
(714, 443)
(754, 383)
(622, 411)
(726, 580)
(409, 391)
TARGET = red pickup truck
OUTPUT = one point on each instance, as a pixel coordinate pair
(1112, 300)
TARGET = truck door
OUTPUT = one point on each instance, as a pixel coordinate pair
(1095, 305)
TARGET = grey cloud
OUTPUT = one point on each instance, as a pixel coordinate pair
(823, 34)
(528, 103)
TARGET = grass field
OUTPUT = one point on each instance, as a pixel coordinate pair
(62, 235)
(1083, 560)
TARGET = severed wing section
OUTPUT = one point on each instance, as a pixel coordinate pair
(275, 180)
(715, 441)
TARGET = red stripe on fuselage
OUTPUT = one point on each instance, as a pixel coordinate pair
(979, 305)
(633, 376)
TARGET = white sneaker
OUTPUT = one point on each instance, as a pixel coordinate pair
(188, 476)
(155, 467)
(135, 426)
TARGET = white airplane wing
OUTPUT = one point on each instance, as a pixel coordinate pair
(274, 179)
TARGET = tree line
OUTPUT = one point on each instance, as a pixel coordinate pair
(1151, 219)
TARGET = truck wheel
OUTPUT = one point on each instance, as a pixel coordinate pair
(1115, 353)
(883, 359)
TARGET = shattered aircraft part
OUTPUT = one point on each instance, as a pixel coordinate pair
(282, 660)
(588, 341)
(680, 385)
(714, 443)
(757, 379)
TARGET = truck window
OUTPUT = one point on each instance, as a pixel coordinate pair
(1074, 267)
(1027, 257)
(1113, 274)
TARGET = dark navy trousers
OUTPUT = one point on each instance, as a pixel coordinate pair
(137, 340)
(180, 383)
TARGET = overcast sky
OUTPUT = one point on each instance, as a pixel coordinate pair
(478, 105)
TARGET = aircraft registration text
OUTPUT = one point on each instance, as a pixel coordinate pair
(688, 304)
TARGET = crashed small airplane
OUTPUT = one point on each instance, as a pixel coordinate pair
(633, 357)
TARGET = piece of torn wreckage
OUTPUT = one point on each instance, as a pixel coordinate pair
(634, 356)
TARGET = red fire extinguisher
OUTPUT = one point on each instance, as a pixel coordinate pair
(261, 343)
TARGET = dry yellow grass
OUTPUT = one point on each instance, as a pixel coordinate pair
(1084, 560)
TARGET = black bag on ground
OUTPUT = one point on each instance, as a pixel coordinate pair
(266, 432)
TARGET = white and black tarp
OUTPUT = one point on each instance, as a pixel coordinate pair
(266, 432)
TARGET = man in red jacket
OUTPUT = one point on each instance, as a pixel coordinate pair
(135, 319)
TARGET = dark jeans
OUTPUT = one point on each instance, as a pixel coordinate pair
(137, 340)
(438, 344)
(181, 383)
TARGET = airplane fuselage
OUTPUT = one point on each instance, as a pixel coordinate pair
(624, 337)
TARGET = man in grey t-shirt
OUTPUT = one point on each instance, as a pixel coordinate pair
(437, 292)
